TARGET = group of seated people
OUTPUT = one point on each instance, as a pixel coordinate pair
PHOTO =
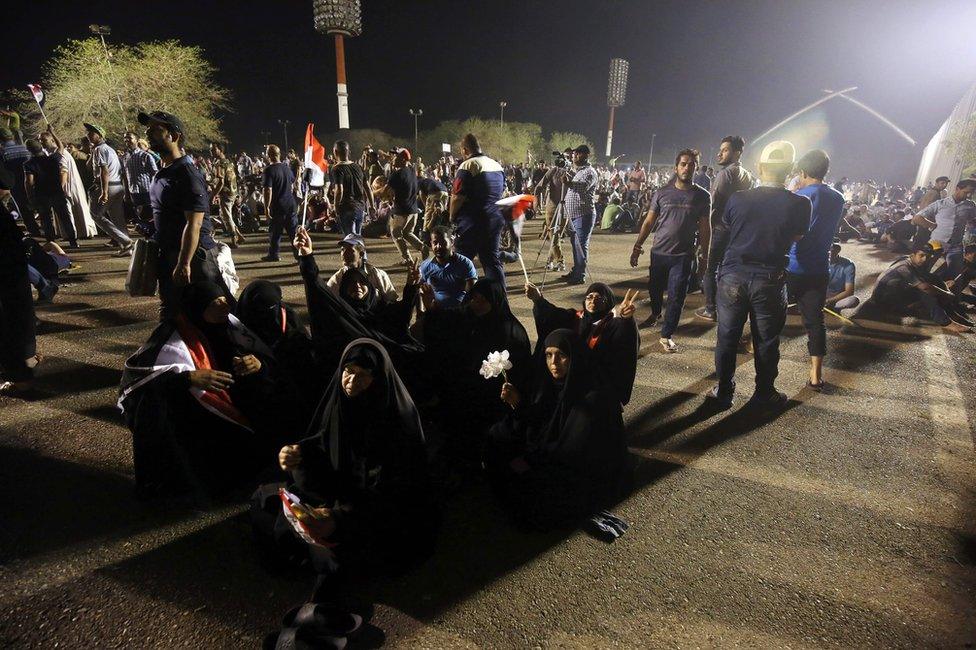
(368, 412)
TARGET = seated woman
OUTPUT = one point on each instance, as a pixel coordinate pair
(560, 454)
(362, 473)
(199, 400)
(358, 311)
(301, 373)
(457, 341)
(614, 340)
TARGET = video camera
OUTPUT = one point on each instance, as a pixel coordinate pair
(560, 159)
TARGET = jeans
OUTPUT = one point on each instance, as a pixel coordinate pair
(110, 216)
(954, 262)
(809, 293)
(483, 240)
(39, 282)
(203, 266)
(580, 228)
(351, 220)
(59, 207)
(669, 271)
(716, 251)
(757, 295)
(280, 220)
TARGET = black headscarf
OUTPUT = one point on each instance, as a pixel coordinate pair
(588, 319)
(262, 311)
(363, 306)
(560, 395)
(197, 296)
(380, 427)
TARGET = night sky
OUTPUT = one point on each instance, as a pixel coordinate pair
(698, 70)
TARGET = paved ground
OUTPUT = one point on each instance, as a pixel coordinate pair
(846, 521)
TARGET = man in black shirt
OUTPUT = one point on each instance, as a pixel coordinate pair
(46, 180)
(18, 347)
(351, 194)
(403, 185)
(761, 223)
(181, 213)
(280, 201)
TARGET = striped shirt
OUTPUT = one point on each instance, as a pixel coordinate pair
(140, 168)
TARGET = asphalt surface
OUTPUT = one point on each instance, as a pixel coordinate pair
(846, 521)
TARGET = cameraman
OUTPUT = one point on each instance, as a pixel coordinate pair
(579, 210)
(552, 183)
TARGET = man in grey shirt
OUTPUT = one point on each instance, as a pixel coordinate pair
(731, 179)
(947, 219)
(107, 194)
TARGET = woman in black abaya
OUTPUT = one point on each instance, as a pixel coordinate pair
(457, 341)
(197, 398)
(614, 339)
(560, 454)
(364, 471)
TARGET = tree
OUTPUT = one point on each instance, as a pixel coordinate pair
(81, 86)
(562, 140)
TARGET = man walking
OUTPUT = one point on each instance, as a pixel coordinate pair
(478, 222)
(181, 214)
(351, 192)
(807, 273)
(225, 189)
(46, 180)
(280, 202)
(761, 223)
(140, 169)
(678, 216)
(580, 211)
(107, 193)
(731, 179)
(403, 185)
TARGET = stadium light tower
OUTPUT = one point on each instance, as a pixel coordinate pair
(340, 18)
(616, 93)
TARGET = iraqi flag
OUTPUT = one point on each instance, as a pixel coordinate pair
(315, 160)
(38, 93)
(514, 208)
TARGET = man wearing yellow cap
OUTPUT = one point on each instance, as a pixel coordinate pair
(762, 224)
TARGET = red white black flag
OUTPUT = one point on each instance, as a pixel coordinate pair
(38, 93)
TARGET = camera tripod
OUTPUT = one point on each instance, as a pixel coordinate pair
(552, 232)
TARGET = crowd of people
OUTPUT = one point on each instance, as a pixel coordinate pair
(358, 421)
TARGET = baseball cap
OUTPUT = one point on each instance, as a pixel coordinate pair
(402, 151)
(779, 152)
(172, 122)
(94, 127)
(352, 239)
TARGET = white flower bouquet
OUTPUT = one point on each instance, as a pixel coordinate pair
(496, 365)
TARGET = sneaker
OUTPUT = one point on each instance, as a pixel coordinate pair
(270, 258)
(560, 266)
(574, 281)
(668, 345)
(776, 400)
(705, 314)
(720, 401)
(650, 321)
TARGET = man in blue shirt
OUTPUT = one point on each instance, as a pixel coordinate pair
(181, 214)
(478, 222)
(762, 223)
(280, 199)
(840, 286)
(806, 273)
(447, 276)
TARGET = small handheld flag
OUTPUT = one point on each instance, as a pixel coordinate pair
(38, 94)
(315, 160)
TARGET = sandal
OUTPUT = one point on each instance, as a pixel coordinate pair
(302, 638)
(324, 619)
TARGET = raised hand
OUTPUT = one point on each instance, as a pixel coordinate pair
(290, 457)
(532, 292)
(627, 307)
(303, 242)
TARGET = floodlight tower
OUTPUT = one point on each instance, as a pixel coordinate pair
(340, 18)
(616, 93)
